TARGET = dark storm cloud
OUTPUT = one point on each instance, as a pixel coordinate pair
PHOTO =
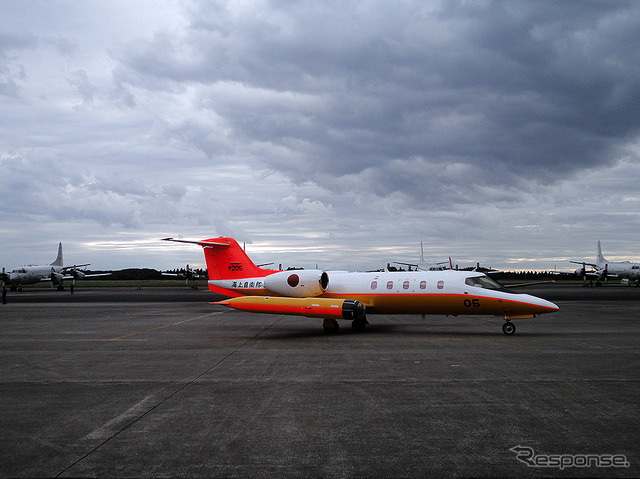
(534, 89)
(502, 128)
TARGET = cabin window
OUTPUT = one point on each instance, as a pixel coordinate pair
(423, 285)
(440, 284)
(389, 284)
(405, 285)
(374, 285)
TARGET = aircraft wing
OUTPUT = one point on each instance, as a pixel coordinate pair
(584, 263)
(524, 285)
(406, 264)
(83, 275)
(75, 266)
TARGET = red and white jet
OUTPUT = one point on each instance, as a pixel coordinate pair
(334, 295)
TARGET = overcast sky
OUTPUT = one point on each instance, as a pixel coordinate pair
(337, 133)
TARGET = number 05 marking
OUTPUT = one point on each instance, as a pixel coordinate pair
(475, 303)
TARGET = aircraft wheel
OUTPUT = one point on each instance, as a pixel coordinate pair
(508, 328)
(359, 325)
(331, 326)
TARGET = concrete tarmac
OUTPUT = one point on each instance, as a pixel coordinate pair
(116, 382)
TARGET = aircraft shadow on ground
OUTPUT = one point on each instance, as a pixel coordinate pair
(395, 330)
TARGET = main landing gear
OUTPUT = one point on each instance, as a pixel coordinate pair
(508, 328)
(331, 326)
(359, 325)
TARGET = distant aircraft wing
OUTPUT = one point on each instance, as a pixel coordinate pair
(524, 285)
(75, 266)
(584, 263)
(415, 265)
(83, 276)
(425, 266)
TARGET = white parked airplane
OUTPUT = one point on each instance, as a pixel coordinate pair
(333, 295)
(55, 272)
(423, 266)
(188, 274)
(603, 269)
(443, 265)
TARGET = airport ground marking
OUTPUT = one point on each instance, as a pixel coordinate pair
(135, 333)
(136, 413)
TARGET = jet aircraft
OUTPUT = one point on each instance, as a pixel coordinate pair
(55, 272)
(603, 269)
(335, 295)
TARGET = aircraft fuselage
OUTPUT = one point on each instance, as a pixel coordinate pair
(414, 292)
(31, 274)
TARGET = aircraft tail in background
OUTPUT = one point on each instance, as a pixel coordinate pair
(58, 261)
(600, 260)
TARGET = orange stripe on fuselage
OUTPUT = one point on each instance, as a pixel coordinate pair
(312, 307)
(280, 309)
(439, 303)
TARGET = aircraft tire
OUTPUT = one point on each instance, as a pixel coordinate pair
(332, 329)
(508, 328)
(359, 325)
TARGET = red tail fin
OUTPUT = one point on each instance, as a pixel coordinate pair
(226, 259)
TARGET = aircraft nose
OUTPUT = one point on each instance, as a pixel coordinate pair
(546, 306)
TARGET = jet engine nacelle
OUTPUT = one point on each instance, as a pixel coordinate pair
(298, 283)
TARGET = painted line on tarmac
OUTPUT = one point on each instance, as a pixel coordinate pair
(142, 331)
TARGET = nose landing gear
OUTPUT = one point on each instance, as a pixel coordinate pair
(508, 328)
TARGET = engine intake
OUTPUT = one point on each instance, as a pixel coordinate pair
(298, 283)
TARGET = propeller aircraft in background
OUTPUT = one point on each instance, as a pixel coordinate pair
(187, 274)
(424, 266)
(341, 295)
(55, 272)
(443, 265)
(603, 269)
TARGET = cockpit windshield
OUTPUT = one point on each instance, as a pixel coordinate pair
(483, 282)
